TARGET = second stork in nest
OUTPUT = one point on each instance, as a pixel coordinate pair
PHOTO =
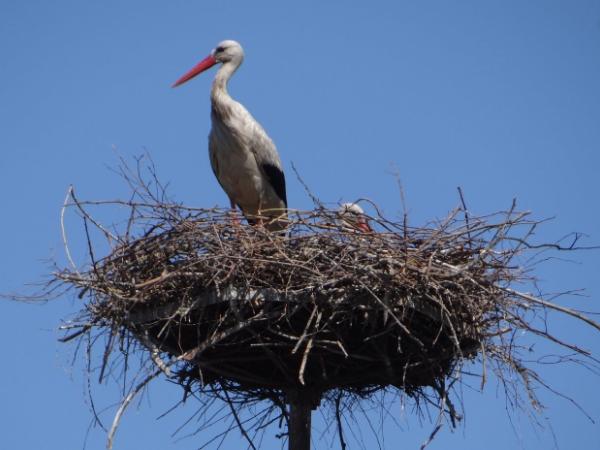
(243, 157)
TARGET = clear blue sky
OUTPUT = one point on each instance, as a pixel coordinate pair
(501, 98)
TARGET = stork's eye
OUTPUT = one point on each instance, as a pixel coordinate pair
(219, 49)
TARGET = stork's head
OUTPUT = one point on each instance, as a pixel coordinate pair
(228, 50)
(225, 52)
(352, 216)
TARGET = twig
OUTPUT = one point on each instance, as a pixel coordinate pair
(554, 306)
(237, 420)
(338, 419)
(124, 404)
(64, 234)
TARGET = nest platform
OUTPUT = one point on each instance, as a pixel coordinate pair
(318, 308)
(263, 339)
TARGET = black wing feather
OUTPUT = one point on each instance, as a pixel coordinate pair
(276, 179)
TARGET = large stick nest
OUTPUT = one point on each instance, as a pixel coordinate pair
(320, 308)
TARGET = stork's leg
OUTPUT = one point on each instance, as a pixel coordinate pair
(260, 222)
(234, 217)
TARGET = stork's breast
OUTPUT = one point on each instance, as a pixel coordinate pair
(236, 170)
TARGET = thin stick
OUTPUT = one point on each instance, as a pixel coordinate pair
(237, 420)
(64, 233)
(554, 306)
(338, 419)
(125, 404)
(466, 213)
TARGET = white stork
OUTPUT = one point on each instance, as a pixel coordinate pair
(353, 217)
(243, 157)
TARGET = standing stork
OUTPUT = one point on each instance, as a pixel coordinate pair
(243, 157)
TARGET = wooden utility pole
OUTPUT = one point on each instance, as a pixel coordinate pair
(301, 406)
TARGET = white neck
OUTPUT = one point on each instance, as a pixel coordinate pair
(219, 86)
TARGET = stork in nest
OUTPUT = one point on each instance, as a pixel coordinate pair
(243, 157)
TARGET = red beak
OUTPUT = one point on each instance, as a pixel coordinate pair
(206, 63)
(364, 226)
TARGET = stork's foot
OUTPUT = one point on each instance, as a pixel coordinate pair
(235, 218)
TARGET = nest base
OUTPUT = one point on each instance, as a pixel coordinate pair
(265, 340)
